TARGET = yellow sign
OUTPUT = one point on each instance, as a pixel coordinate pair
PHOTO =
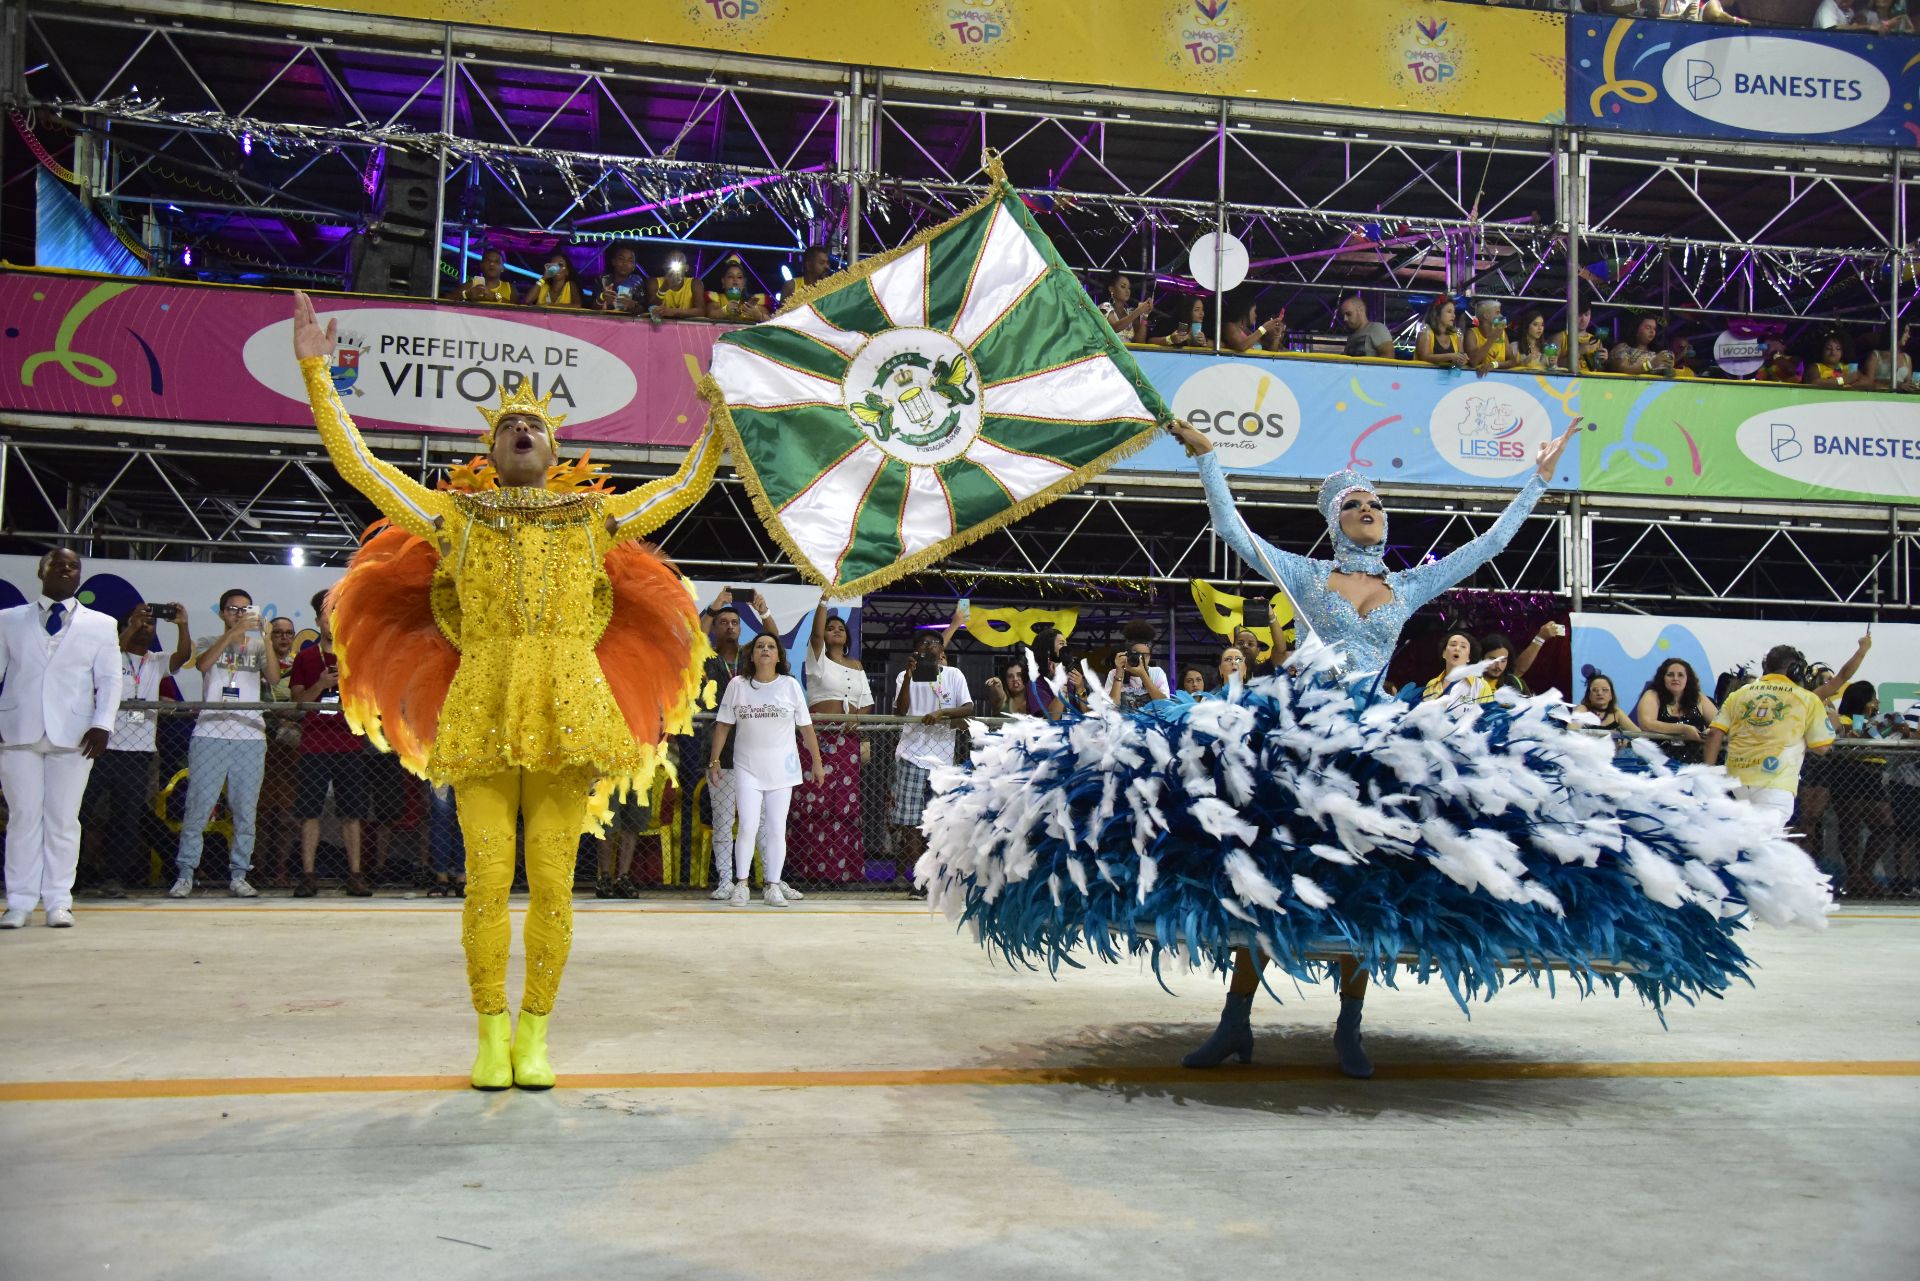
(1224, 613)
(1435, 58)
(1001, 628)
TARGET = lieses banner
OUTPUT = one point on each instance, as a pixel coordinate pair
(1434, 58)
(1705, 81)
(1306, 417)
(89, 347)
(1629, 649)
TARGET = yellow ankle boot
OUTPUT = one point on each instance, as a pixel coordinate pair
(531, 1071)
(491, 1069)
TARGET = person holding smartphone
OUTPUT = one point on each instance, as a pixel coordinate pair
(670, 295)
(490, 285)
(1190, 329)
(936, 696)
(1135, 681)
(229, 747)
(556, 286)
(331, 758)
(1128, 318)
(621, 288)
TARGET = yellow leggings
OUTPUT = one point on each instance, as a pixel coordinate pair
(554, 807)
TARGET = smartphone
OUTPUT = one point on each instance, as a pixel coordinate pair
(1258, 612)
(925, 671)
(965, 605)
(165, 613)
(741, 595)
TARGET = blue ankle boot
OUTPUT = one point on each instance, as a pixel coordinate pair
(1346, 1040)
(1233, 1036)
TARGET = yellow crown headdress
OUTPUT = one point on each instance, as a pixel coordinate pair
(521, 400)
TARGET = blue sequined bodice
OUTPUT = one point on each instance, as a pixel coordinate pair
(1367, 643)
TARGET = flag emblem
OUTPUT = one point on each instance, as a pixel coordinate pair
(926, 397)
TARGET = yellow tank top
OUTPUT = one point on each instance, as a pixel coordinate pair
(681, 297)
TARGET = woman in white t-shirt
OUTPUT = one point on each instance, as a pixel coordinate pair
(827, 842)
(761, 709)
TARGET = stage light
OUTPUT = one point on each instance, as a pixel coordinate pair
(786, 272)
(296, 555)
(186, 256)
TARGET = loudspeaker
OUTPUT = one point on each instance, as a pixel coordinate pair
(383, 265)
(406, 193)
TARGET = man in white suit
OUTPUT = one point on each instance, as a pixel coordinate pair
(60, 662)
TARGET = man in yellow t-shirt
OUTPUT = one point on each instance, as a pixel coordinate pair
(1769, 727)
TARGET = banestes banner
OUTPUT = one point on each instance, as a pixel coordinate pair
(1689, 80)
(95, 347)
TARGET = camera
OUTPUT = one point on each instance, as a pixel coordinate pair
(1135, 660)
(165, 613)
(925, 671)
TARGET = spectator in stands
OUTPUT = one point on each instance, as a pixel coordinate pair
(1892, 16)
(119, 822)
(1868, 834)
(937, 695)
(1244, 330)
(1680, 354)
(1127, 317)
(1526, 347)
(1507, 669)
(763, 708)
(671, 296)
(490, 285)
(1247, 641)
(1768, 727)
(1194, 679)
(1831, 369)
(621, 288)
(1698, 11)
(1135, 681)
(331, 756)
(1458, 649)
(1365, 337)
(1190, 326)
(1232, 666)
(1582, 351)
(1006, 689)
(556, 286)
(734, 302)
(1778, 365)
(1845, 15)
(1600, 701)
(1636, 356)
(1672, 705)
(274, 847)
(1047, 691)
(815, 265)
(1900, 367)
(828, 843)
(1487, 340)
(229, 747)
(1439, 342)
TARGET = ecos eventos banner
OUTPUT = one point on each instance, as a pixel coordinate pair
(1692, 81)
(90, 347)
(1305, 417)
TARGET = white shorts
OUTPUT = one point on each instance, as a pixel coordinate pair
(1771, 797)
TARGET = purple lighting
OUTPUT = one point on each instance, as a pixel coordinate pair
(246, 144)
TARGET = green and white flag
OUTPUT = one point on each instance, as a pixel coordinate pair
(926, 397)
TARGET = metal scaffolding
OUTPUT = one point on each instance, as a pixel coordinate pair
(540, 139)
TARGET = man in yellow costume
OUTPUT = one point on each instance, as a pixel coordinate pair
(509, 635)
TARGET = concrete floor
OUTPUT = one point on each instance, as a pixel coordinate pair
(158, 1119)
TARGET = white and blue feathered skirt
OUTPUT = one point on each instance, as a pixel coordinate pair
(1459, 842)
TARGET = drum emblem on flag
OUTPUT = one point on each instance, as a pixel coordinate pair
(914, 393)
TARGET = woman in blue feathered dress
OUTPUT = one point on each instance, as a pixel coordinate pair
(1305, 816)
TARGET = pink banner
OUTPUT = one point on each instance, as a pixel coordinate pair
(96, 347)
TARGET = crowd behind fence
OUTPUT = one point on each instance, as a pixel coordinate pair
(1858, 814)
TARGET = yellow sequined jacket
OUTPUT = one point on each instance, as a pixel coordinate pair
(522, 592)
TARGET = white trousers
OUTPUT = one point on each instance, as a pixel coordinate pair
(763, 821)
(1771, 797)
(43, 785)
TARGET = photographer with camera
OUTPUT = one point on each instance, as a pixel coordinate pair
(1135, 681)
(113, 843)
(938, 696)
(229, 747)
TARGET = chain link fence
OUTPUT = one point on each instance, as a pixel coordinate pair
(264, 808)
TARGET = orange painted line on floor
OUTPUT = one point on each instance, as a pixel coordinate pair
(1153, 1074)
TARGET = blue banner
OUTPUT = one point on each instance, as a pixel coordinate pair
(1692, 80)
(1413, 424)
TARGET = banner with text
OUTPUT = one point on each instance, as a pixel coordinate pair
(90, 347)
(1434, 58)
(1416, 424)
(1704, 81)
(1629, 649)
